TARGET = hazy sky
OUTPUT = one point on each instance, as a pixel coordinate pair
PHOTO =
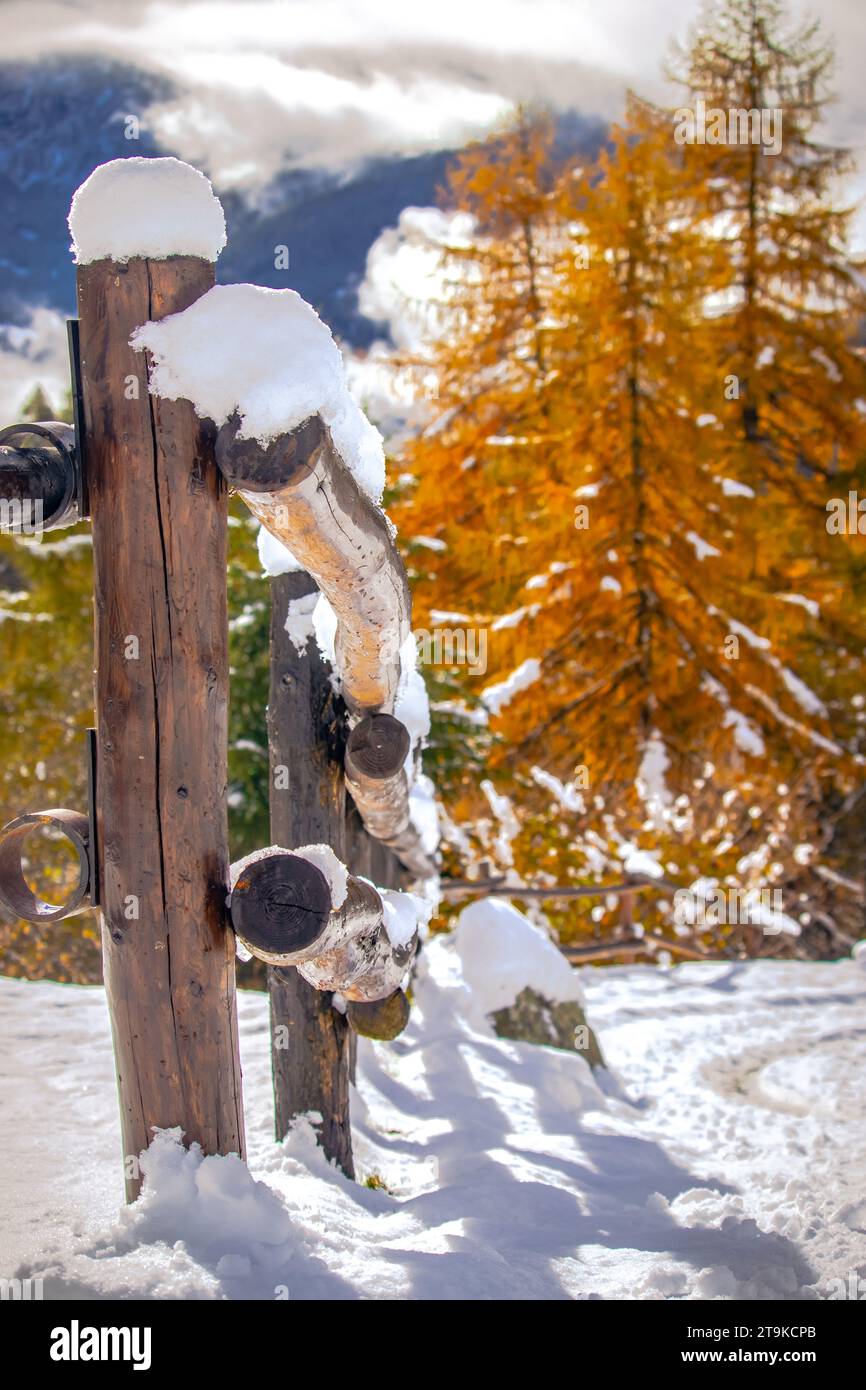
(326, 81)
(265, 82)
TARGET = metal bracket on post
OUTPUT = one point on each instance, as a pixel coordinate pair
(17, 898)
(43, 468)
(81, 490)
(92, 843)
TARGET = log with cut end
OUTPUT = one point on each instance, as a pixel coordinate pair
(382, 1019)
(282, 911)
(376, 752)
(304, 494)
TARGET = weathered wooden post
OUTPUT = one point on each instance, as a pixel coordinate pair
(158, 506)
(310, 1039)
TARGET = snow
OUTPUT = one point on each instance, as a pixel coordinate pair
(411, 704)
(811, 607)
(732, 488)
(146, 207)
(811, 734)
(325, 628)
(335, 872)
(723, 1159)
(515, 618)
(506, 818)
(640, 861)
(701, 547)
(502, 953)
(424, 813)
(299, 620)
(266, 355)
(496, 697)
(275, 557)
(429, 542)
(565, 794)
(762, 644)
(321, 856)
(806, 698)
(400, 916)
(747, 736)
(650, 781)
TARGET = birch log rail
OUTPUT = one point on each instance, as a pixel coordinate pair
(282, 911)
(303, 493)
(376, 752)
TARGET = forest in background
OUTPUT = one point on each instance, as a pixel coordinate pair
(641, 390)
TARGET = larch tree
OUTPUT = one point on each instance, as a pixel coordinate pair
(579, 495)
(485, 372)
(789, 376)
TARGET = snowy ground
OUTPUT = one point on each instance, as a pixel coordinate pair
(725, 1161)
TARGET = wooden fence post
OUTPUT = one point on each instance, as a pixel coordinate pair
(310, 1039)
(159, 516)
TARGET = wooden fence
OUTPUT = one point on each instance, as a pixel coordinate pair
(153, 852)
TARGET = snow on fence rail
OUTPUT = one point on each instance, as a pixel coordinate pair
(306, 496)
(289, 910)
(306, 461)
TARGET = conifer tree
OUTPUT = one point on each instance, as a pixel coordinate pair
(638, 690)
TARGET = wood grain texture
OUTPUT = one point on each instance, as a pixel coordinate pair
(342, 539)
(159, 544)
(382, 1019)
(310, 1039)
(376, 751)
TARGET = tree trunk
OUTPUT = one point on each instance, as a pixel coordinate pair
(159, 546)
(310, 1039)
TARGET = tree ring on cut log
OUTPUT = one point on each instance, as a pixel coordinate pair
(255, 467)
(280, 905)
(16, 895)
(377, 747)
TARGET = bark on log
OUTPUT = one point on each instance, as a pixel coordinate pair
(281, 910)
(312, 503)
(382, 1019)
(276, 908)
(159, 514)
(311, 1041)
(376, 751)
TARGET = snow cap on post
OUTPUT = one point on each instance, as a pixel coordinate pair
(265, 356)
(152, 208)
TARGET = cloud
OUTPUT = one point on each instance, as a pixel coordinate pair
(325, 82)
(36, 353)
